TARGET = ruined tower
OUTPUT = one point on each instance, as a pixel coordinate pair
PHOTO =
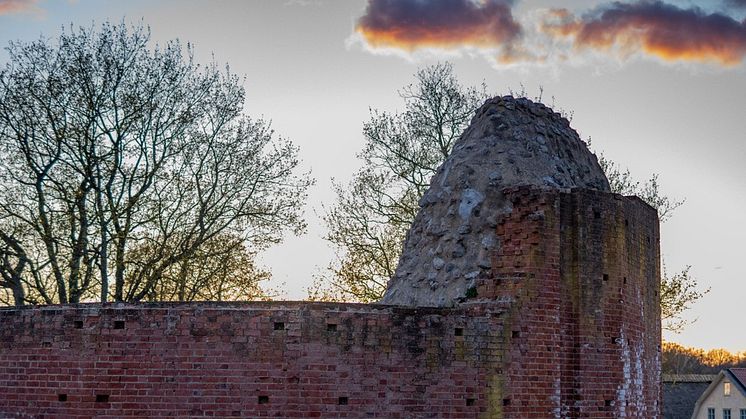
(451, 244)
(520, 217)
(526, 290)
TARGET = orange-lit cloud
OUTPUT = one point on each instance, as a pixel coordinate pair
(15, 6)
(655, 28)
(445, 24)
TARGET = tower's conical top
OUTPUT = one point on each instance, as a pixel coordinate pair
(510, 142)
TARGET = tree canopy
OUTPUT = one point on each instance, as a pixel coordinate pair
(122, 163)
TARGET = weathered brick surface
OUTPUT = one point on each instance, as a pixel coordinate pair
(579, 276)
(223, 359)
(567, 326)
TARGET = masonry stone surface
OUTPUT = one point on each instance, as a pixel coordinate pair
(510, 142)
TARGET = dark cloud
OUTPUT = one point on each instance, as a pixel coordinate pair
(15, 6)
(413, 24)
(736, 3)
(655, 28)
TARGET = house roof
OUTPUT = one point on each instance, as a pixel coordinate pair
(689, 378)
(680, 395)
(737, 376)
(740, 375)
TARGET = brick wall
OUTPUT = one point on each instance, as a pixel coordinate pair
(248, 360)
(611, 306)
(568, 325)
(578, 274)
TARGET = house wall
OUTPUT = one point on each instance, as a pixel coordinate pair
(717, 399)
(567, 326)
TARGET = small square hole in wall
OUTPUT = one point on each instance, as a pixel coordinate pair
(102, 398)
(78, 324)
(459, 331)
(343, 400)
(624, 280)
(119, 324)
(62, 397)
(626, 223)
(331, 327)
(608, 403)
(263, 399)
(615, 340)
(606, 277)
(597, 214)
(516, 334)
(471, 402)
(279, 326)
(506, 402)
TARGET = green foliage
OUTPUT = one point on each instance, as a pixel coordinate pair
(679, 290)
(622, 182)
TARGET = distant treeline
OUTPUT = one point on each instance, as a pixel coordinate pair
(678, 359)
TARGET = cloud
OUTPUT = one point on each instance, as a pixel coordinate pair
(410, 25)
(16, 6)
(654, 28)
(304, 3)
(736, 3)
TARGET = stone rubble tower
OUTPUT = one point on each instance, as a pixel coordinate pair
(519, 220)
(510, 143)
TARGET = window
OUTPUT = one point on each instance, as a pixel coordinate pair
(710, 413)
(743, 413)
(726, 388)
(726, 413)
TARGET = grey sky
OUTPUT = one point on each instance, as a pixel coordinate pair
(682, 120)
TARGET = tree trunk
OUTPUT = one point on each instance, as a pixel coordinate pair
(19, 296)
(119, 270)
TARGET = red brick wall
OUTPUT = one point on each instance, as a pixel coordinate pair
(567, 326)
(224, 359)
(579, 276)
(611, 279)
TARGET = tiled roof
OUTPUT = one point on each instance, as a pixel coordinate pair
(740, 374)
(679, 397)
(689, 378)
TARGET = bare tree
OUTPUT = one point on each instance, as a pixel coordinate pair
(678, 290)
(108, 144)
(221, 269)
(403, 150)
